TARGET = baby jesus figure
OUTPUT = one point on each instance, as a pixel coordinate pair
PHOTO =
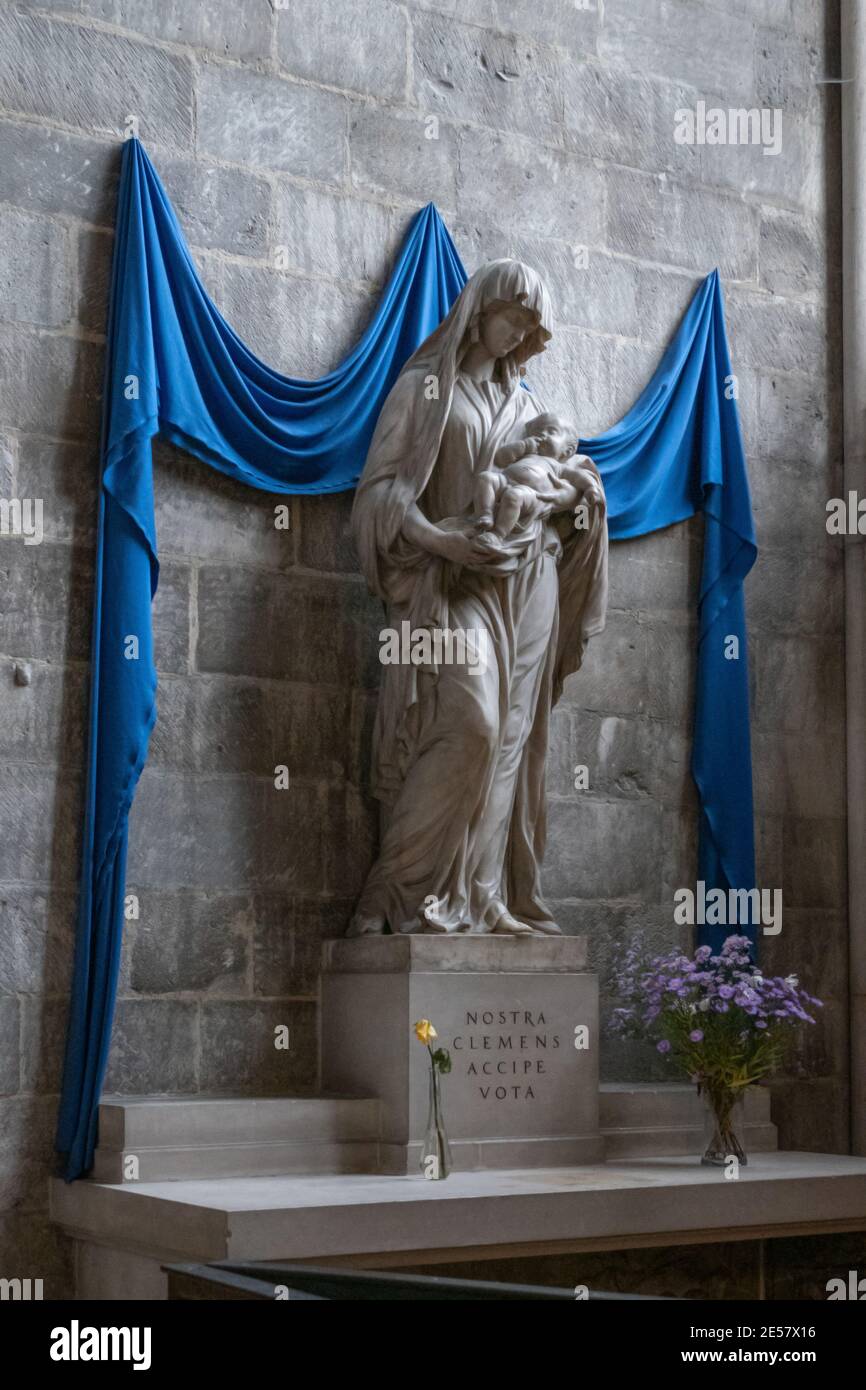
(538, 474)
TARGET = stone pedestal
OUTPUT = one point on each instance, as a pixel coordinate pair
(509, 1010)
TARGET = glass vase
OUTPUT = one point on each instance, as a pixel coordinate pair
(435, 1151)
(724, 1127)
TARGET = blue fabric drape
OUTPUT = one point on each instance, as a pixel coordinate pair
(678, 451)
(174, 367)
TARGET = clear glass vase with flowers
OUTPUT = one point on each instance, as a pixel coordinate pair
(718, 1020)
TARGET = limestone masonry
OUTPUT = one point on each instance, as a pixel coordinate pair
(296, 144)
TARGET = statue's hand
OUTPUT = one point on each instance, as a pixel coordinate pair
(559, 498)
(594, 494)
(585, 480)
(467, 548)
(591, 490)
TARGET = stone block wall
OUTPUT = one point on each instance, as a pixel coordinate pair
(300, 135)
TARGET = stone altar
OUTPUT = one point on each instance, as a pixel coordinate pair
(520, 1019)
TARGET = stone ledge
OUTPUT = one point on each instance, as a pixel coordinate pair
(148, 1121)
(618, 1205)
(203, 1137)
(644, 1120)
(437, 952)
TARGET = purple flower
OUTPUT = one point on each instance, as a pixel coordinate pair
(736, 944)
(671, 991)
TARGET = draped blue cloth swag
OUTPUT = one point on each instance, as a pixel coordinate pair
(174, 367)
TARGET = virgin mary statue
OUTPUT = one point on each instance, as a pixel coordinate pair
(459, 747)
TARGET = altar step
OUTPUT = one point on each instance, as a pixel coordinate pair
(159, 1139)
(164, 1138)
(643, 1120)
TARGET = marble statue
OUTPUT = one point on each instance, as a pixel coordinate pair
(475, 516)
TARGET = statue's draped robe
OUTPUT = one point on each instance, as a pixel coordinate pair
(459, 754)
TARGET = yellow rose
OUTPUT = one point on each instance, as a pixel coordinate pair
(424, 1031)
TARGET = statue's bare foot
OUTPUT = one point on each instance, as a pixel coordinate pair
(510, 926)
(484, 521)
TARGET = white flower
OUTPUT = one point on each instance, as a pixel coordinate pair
(704, 1005)
(792, 980)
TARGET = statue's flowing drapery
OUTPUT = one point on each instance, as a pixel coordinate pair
(459, 753)
(175, 368)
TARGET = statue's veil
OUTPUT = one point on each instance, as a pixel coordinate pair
(408, 434)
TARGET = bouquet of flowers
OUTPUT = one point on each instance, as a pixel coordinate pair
(717, 1018)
